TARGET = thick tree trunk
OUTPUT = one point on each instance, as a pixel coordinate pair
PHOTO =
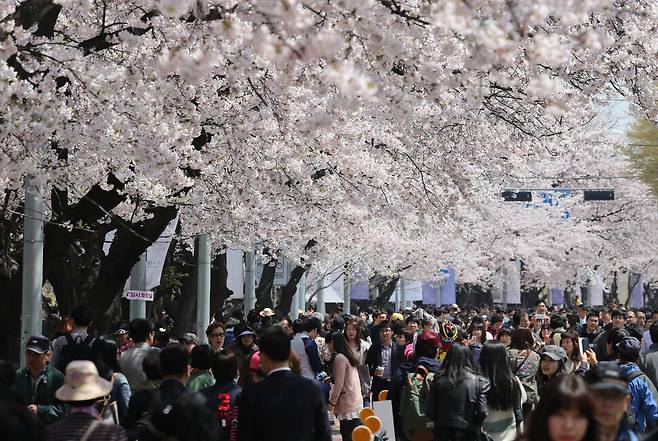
(386, 289)
(264, 289)
(219, 291)
(288, 291)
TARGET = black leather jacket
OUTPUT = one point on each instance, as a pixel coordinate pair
(463, 407)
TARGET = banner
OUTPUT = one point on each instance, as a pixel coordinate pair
(513, 285)
(556, 295)
(622, 287)
(359, 289)
(139, 295)
(235, 269)
(636, 286)
(449, 287)
(429, 293)
(595, 291)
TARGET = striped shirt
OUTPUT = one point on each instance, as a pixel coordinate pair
(74, 426)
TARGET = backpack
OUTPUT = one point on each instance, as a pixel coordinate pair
(417, 426)
(74, 349)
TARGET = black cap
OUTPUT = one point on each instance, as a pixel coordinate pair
(608, 376)
(554, 352)
(38, 344)
(628, 348)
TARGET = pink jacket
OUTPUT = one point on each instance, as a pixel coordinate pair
(346, 390)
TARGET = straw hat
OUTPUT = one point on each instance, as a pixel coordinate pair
(82, 383)
(266, 312)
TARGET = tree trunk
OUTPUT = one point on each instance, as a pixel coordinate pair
(264, 289)
(219, 291)
(386, 288)
(288, 291)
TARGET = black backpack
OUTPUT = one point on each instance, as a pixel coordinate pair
(74, 349)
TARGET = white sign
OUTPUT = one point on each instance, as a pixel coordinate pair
(384, 411)
(139, 295)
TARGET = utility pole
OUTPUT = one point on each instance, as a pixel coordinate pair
(249, 281)
(32, 264)
(138, 283)
(203, 287)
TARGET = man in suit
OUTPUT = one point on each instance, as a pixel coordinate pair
(284, 406)
(383, 360)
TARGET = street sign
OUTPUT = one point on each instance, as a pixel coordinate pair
(139, 295)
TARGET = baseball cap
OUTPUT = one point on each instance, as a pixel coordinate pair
(246, 331)
(628, 348)
(608, 377)
(38, 344)
(554, 352)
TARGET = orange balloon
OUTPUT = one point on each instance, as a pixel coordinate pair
(383, 395)
(373, 423)
(361, 433)
(365, 413)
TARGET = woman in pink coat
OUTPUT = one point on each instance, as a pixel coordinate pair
(345, 399)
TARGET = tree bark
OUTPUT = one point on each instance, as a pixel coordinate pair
(219, 291)
(264, 289)
(386, 288)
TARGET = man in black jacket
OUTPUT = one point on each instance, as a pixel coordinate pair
(284, 406)
(383, 360)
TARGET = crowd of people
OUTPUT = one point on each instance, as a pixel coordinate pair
(479, 374)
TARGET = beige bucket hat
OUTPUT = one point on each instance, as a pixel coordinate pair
(82, 383)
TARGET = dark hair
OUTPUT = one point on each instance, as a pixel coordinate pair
(358, 330)
(568, 392)
(478, 326)
(539, 301)
(200, 357)
(557, 321)
(496, 318)
(186, 419)
(338, 324)
(635, 330)
(81, 315)
(385, 324)
(140, 329)
(275, 344)
(504, 392)
(162, 336)
(616, 335)
(458, 362)
(341, 347)
(174, 360)
(618, 313)
(151, 365)
(287, 319)
(411, 318)
(104, 356)
(313, 323)
(573, 336)
(298, 326)
(592, 313)
(502, 332)
(213, 326)
(224, 366)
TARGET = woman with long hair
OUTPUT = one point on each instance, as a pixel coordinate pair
(546, 335)
(104, 356)
(566, 411)
(458, 398)
(477, 333)
(505, 396)
(551, 365)
(576, 362)
(360, 348)
(345, 399)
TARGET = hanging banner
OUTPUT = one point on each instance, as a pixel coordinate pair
(595, 291)
(449, 287)
(556, 296)
(636, 286)
(429, 293)
(622, 287)
(359, 289)
(155, 254)
(513, 285)
(235, 269)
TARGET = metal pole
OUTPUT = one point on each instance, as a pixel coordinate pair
(203, 288)
(301, 292)
(249, 281)
(138, 283)
(320, 303)
(346, 293)
(32, 264)
(505, 287)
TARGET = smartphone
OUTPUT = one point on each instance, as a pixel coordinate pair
(584, 344)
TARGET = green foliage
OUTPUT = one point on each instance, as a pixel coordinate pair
(644, 157)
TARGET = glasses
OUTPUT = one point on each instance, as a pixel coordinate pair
(218, 334)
